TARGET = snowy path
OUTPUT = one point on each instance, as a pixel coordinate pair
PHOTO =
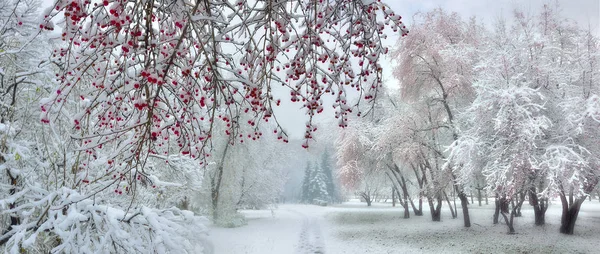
(290, 229)
(311, 238)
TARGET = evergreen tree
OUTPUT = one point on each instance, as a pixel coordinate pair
(305, 184)
(318, 184)
(327, 170)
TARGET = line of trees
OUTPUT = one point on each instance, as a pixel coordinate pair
(512, 110)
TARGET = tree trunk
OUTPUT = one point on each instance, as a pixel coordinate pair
(420, 181)
(509, 222)
(479, 195)
(393, 196)
(418, 211)
(396, 181)
(517, 203)
(464, 203)
(539, 207)
(452, 210)
(497, 209)
(402, 182)
(570, 211)
(504, 210)
(406, 209)
(472, 198)
(216, 183)
(435, 209)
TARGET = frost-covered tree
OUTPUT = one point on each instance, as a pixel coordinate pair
(23, 72)
(317, 185)
(314, 185)
(51, 203)
(531, 128)
(327, 168)
(305, 183)
(435, 69)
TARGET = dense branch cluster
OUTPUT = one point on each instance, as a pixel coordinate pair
(154, 74)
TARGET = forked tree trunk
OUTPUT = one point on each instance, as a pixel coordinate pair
(399, 177)
(396, 181)
(570, 211)
(504, 210)
(540, 205)
(517, 203)
(420, 180)
(418, 211)
(436, 209)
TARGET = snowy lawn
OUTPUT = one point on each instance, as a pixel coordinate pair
(354, 228)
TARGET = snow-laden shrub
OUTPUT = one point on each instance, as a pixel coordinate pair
(231, 220)
(74, 223)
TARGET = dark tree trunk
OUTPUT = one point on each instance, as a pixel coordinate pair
(402, 182)
(479, 195)
(420, 181)
(497, 209)
(570, 211)
(393, 196)
(452, 210)
(504, 210)
(517, 203)
(540, 205)
(436, 209)
(464, 203)
(406, 196)
(418, 211)
(396, 181)
(406, 209)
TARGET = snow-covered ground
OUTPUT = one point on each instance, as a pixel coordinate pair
(355, 228)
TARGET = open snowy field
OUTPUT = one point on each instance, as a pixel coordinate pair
(353, 227)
